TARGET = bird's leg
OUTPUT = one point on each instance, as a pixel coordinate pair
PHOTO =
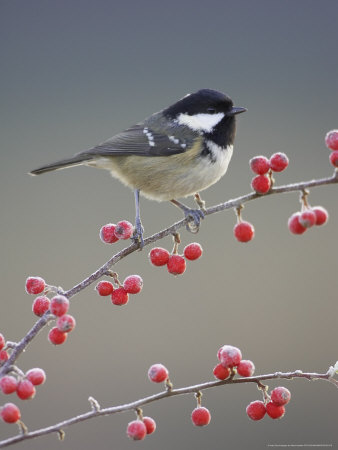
(194, 214)
(200, 202)
(138, 233)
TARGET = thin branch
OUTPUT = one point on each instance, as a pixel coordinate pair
(96, 411)
(104, 269)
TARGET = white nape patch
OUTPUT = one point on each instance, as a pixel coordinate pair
(149, 136)
(173, 139)
(200, 122)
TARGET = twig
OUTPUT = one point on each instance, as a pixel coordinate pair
(96, 411)
(105, 268)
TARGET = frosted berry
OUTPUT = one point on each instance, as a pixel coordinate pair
(279, 162)
(259, 165)
(280, 396)
(220, 372)
(307, 218)
(230, 356)
(25, 390)
(104, 288)
(56, 336)
(322, 216)
(119, 296)
(275, 411)
(10, 413)
(59, 305)
(159, 256)
(136, 430)
(246, 368)
(2, 341)
(244, 231)
(36, 376)
(66, 323)
(158, 373)
(334, 158)
(331, 140)
(256, 410)
(294, 224)
(133, 284)
(3, 356)
(193, 251)
(176, 264)
(124, 230)
(150, 424)
(261, 184)
(40, 305)
(35, 285)
(200, 416)
(8, 384)
(107, 233)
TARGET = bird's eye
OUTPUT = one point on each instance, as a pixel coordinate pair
(211, 110)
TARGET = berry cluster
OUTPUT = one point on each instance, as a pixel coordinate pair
(230, 362)
(309, 216)
(331, 141)
(273, 406)
(120, 294)
(57, 305)
(176, 264)
(111, 233)
(263, 167)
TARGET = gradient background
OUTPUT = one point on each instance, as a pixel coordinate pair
(76, 72)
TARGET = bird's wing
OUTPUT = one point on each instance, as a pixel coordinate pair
(141, 140)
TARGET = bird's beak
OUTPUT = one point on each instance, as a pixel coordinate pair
(236, 110)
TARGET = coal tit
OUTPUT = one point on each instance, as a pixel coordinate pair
(174, 153)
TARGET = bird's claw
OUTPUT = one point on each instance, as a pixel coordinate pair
(138, 234)
(195, 216)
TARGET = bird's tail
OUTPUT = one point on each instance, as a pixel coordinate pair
(76, 160)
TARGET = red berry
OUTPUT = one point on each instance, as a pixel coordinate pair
(35, 285)
(193, 251)
(133, 284)
(256, 410)
(279, 162)
(2, 341)
(331, 140)
(107, 233)
(294, 224)
(36, 376)
(176, 264)
(104, 288)
(159, 256)
(322, 216)
(230, 356)
(261, 184)
(259, 165)
(246, 368)
(10, 413)
(158, 373)
(275, 411)
(220, 372)
(136, 430)
(280, 396)
(3, 356)
(8, 384)
(56, 336)
(59, 305)
(119, 296)
(307, 218)
(334, 158)
(200, 416)
(150, 424)
(124, 230)
(244, 231)
(25, 390)
(40, 305)
(66, 323)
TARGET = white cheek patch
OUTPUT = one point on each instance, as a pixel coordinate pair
(200, 122)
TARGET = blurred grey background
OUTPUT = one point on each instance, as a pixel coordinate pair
(74, 73)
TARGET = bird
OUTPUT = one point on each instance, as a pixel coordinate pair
(174, 153)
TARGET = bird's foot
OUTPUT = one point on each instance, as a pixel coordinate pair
(138, 233)
(195, 216)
